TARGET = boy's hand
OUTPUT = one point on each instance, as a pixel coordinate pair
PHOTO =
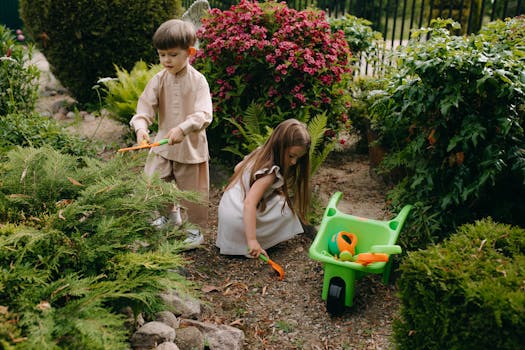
(175, 135)
(142, 135)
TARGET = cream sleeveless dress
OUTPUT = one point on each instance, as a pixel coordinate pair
(274, 225)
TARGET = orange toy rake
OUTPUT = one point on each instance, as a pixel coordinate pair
(144, 144)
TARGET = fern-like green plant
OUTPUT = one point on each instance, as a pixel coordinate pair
(316, 129)
(122, 93)
(251, 130)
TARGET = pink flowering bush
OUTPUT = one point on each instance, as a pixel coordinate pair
(286, 60)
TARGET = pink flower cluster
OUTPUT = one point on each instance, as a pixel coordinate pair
(274, 56)
(292, 46)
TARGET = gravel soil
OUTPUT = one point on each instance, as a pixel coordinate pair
(290, 314)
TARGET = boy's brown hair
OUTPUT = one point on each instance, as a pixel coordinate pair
(174, 33)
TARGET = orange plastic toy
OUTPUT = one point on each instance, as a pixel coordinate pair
(144, 144)
(368, 258)
(274, 265)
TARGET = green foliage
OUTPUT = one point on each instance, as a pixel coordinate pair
(364, 91)
(18, 80)
(122, 93)
(82, 40)
(76, 246)
(358, 32)
(34, 130)
(452, 119)
(365, 44)
(251, 130)
(466, 293)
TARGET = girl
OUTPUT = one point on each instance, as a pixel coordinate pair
(268, 194)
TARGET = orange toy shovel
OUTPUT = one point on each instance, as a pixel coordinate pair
(144, 144)
(368, 258)
(274, 265)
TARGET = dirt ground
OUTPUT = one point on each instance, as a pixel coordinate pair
(290, 314)
(246, 293)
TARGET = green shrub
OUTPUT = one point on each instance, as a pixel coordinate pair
(266, 53)
(452, 119)
(76, 246)
(365, 44)
(18, 80)
(122, 93)
(82, 40)
(466, 293)
(364, 91)
(34, 130)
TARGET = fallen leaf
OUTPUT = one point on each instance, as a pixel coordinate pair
(64, 202)
(460, 157)
(18, 195)
(209, 288)
(237, 322)
(431, 139)
(3, 310)
(74, 182)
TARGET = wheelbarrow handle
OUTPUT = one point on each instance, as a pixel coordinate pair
(386, 249)
(402, 216)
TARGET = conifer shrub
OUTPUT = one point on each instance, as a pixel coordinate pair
(466, 293)
(82, 40)
(34, 130)
(265, 53)
(76, 247)
(452, 119)
(18, 79)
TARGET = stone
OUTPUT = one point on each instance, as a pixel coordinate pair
(190, 338)
(152, 334)
(218, 337)
(168, 318)
(186, 307)
(167, 346)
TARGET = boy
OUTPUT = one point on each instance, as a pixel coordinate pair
(181, 97)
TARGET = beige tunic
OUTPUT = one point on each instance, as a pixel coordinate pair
(181, 100)
(273, 225)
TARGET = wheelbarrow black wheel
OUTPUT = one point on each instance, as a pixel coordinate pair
(335, 300)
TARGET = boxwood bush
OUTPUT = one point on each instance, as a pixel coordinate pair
(452, 119)
(466, 293)
(82, 40)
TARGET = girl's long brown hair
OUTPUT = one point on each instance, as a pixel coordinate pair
(296, 188)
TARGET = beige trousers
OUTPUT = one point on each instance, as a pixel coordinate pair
(188, 177)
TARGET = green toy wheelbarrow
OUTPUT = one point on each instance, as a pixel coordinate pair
(373, 243)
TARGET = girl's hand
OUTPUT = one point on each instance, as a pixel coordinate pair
(175, 135)
(254, 248)
(142, 135)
